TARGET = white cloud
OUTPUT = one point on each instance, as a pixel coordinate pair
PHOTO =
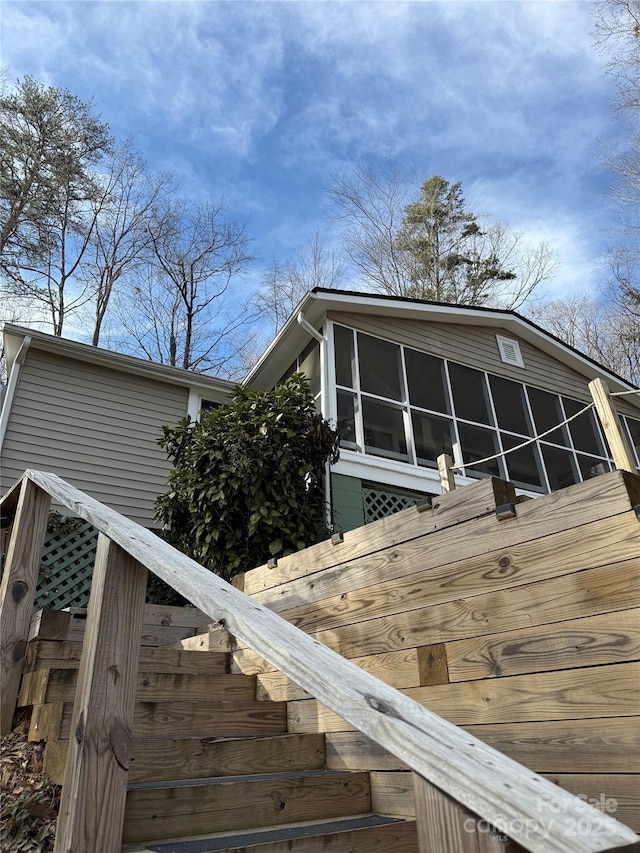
(263, 100)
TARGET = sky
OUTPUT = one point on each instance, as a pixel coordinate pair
(262, 102)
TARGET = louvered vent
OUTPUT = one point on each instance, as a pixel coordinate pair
(510, 351)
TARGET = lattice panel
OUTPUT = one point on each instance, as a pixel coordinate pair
(67, 566)
(378, 503)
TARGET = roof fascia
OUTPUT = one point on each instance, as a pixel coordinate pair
(318, 303)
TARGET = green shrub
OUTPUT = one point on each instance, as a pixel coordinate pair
(247, 481)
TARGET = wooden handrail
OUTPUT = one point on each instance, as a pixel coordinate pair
(450, 765)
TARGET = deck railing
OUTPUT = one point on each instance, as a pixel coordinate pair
(462, 786)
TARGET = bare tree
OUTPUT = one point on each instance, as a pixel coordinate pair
(177, 312)
(285, 284)
(605, 331)
(121, 236)
(47, 136)
(433, 247)
(50, 264)
(51, 145)
(618, 37)
(370, 204)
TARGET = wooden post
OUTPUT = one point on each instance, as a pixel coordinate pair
(621, 449)
(18, 590)
(95, 782)
(447, 827)
(447, 480)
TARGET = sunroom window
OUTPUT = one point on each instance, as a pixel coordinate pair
(402, 404)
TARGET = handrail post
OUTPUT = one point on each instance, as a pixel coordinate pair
(612, 427)
(95, 781)
(18, 590)
(447, 827)
(447, 478)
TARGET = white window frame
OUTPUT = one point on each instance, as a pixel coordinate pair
(410, 472)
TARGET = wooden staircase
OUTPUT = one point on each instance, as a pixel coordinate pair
(211, 767)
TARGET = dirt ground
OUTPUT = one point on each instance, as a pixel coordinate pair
(29, 802)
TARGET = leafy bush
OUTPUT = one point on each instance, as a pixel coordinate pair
(247, 481)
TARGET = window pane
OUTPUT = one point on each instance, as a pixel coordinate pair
(432, 437)
(343, 343)
(310, 365)
(590, 467)
(477, 443)
(560, 466)
(346, 418)
(546, 414)
(509, 403)
(425, 377)
(584, 431)
(469, 393)
(634, 432)
(383, 430)
(379, 367)
(523, 466)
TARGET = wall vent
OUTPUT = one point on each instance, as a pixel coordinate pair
(510, 351)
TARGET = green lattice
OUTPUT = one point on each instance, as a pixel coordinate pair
(379, 502)
(66, 567)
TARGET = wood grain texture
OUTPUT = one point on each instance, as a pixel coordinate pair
(603, 590)
(59, 685)
(426, 572)
(18, 589)
(243, 804)
(479, 499)
(95, 782)
(444, 825)
(47, 624)
(43, 654)
(392, 793)
(606, 744)
(396, 837)
(560, 746)
(609, 638)
(157, 759)
(355, 751)
(623, 456)
(182, 718)
(439, 751)
(611, 691)
(610, 793)
(392, 557)
(217, 640)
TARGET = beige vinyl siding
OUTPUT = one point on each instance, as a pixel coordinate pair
(95, 427)
(476, 346)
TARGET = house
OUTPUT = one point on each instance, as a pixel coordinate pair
(94, 417)
(408, 380)
(405, 381)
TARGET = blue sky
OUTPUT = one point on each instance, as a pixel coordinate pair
(262, 101)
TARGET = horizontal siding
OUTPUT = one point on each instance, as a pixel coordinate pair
(476, 346)
(96, 427)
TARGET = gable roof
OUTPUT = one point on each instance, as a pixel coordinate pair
(315, 305)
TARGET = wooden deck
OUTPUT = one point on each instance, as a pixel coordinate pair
(522, 627)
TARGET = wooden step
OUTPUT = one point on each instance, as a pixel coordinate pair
(174, 809)
(59, 685)
(362, 834)
(157, 759)
(48, 654)
(241, 718)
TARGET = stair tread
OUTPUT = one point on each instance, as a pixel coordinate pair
(249, 777)
(254, 837)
